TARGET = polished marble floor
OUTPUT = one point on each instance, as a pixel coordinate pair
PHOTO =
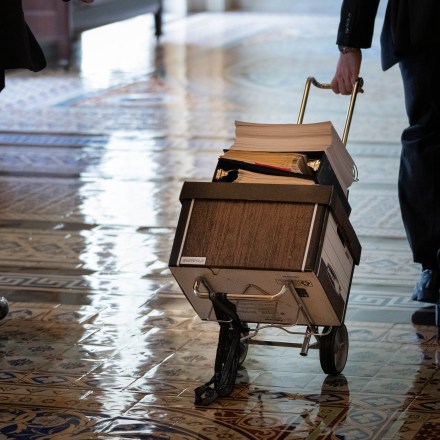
(100, 342)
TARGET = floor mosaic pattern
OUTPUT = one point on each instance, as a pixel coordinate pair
(99, 342)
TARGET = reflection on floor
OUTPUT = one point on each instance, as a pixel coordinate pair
(99, 341)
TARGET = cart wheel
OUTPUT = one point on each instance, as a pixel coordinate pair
(4, 308)
(244, 346)
(333, 350)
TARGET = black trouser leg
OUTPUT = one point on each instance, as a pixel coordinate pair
(419, 176)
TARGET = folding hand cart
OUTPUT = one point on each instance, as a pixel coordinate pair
(257, 256)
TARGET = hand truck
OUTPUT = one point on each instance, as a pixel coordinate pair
(236, 333)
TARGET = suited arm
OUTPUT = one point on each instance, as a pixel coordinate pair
(356, 24)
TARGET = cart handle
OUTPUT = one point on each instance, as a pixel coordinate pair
(256, 297)
(357, 88)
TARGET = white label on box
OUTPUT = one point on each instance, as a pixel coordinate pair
(193, 260)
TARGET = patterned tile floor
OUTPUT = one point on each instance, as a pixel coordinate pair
(99, 342)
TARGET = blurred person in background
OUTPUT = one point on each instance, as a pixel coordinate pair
(18, 47)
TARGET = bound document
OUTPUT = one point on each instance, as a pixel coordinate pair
(246, 176)
(306, 139)
(286, 161)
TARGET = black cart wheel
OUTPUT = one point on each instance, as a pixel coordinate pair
(4, 308)
(333, 350)
(244, 345)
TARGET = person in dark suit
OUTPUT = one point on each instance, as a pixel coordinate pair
(18, 47)
(410, 37)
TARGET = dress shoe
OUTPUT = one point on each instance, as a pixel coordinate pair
(427, 289)
(424, 316)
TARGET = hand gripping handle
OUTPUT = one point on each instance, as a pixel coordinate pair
(357, 88)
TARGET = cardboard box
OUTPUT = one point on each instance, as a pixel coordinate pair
(256, 239)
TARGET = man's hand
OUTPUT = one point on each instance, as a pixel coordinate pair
(347, 72)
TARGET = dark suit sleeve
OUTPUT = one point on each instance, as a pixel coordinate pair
(18, 47)
(356, 24)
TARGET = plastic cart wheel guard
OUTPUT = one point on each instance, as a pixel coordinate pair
(228, 351)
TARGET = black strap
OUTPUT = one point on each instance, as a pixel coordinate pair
(228, 351)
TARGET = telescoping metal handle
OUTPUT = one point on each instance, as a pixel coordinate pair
(356, 89)
(233, 296)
